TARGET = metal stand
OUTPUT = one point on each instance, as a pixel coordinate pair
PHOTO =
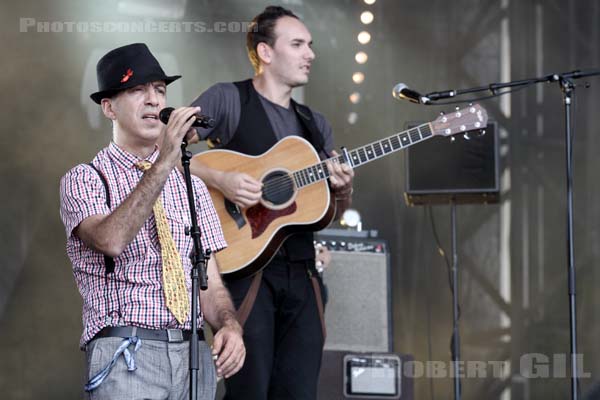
(567, 87)
(455, 345)
(199, 275)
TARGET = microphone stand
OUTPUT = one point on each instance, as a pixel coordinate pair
(565, 80)
(494, 87)
(199, 275)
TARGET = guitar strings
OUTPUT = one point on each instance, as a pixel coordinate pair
(280, 184)
(283, 179)
(274, 186)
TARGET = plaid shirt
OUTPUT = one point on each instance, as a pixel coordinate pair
(133, 295)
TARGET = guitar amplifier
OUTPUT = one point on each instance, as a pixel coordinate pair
(440, 170)
(357, 363)
(356, 319)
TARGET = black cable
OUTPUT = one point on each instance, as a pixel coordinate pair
(573, 123)
(442, 253)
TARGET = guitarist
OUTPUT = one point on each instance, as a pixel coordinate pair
(283, 332)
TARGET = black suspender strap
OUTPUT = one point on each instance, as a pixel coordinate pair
(109, 262)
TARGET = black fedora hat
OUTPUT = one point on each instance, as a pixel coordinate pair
(126, 67)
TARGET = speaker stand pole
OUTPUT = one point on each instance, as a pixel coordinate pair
(455, 345)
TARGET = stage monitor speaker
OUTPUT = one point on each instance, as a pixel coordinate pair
(358, 313)
(441, 170)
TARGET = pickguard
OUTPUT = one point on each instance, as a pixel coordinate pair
(260, 217)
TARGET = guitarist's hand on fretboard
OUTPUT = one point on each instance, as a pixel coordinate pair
(341, 176)
(340, 180)
(241, 189)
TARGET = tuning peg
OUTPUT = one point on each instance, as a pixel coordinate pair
(457, 108)
(466, 136)
(470, 104)
(452, 139)
(442, 113)
(482, 132)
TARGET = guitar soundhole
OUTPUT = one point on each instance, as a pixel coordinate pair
(278, 187)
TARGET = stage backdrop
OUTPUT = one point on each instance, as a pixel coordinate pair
(512, 255)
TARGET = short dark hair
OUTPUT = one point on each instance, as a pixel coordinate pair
(262, 29)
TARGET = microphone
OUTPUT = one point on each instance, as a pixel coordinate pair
(202, 121)
(403, 92)
(441, 95)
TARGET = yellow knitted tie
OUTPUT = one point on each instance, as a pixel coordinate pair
(172, 272)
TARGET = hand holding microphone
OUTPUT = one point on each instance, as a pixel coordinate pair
(202, 121)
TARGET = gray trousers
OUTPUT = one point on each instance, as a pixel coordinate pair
(162, 371)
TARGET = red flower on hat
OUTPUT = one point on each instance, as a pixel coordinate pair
(127, 75)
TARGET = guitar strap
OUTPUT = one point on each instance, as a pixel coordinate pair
(245, 308)
(319, 299)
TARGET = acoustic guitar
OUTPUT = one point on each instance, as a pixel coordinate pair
(295, 194)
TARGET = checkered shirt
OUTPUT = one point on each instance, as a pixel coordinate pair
(133, 295)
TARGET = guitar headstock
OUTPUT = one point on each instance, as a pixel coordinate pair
(467, 119)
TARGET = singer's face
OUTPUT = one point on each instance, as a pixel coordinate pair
(291, 56)
(136, 112)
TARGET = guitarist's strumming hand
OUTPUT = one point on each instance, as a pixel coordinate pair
(241, 189)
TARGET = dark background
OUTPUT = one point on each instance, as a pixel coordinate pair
(512, 255)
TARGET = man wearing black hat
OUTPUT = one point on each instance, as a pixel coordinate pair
(283, 331)
(126, 215)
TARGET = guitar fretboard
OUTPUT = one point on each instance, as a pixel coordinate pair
(364, 154)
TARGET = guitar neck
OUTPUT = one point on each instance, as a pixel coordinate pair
(365, 154)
